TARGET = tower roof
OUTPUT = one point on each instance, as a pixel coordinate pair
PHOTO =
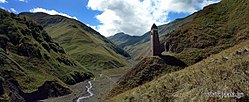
(154, 26)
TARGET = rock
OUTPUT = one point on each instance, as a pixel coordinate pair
(75, 77)
(1, 86)
(48, 89)
(225, 58)
(14, 90)
(238, 52)
(247, 49)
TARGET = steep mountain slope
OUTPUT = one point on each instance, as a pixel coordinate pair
(31, 63)
(139, 46)
(213, 29)
(224, 73)
(82, 42)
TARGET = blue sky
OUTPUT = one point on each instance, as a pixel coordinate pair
(75, 8)
(112, 16)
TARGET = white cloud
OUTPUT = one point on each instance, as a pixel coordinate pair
(51, 12)
(13, 10)
(9, 10)
(136, 16)
(3, 1)
(93, 27)
(2, 7)
(24, 1)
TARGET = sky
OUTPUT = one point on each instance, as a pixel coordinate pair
(109, 17)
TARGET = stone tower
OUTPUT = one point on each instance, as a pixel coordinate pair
(155, 44)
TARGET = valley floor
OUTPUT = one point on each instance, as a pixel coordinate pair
(101, 84)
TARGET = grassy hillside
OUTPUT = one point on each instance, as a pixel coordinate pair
(31, 63)
(82, 42)
(146, 70)
(215, 28)
(212, 30)
(123, 40)
(225, 72)
(139, 46)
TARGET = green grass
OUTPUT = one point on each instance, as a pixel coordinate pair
(85, 45)
(29, 56)
(215, 28)
(226, 71)
(212, 30)
(146, 70)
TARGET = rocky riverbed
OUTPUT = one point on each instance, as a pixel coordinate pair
(100, 85)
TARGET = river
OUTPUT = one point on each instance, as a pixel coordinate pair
(80, 99)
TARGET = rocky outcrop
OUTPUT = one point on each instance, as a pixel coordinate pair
(170, 46)
(3, 42)
(48, 89)
(15, 92)
(75, 77)
(1, 86)
(146, 70)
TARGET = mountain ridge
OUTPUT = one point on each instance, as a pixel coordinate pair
(138, 46)
(214, 29)
(85, 44)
